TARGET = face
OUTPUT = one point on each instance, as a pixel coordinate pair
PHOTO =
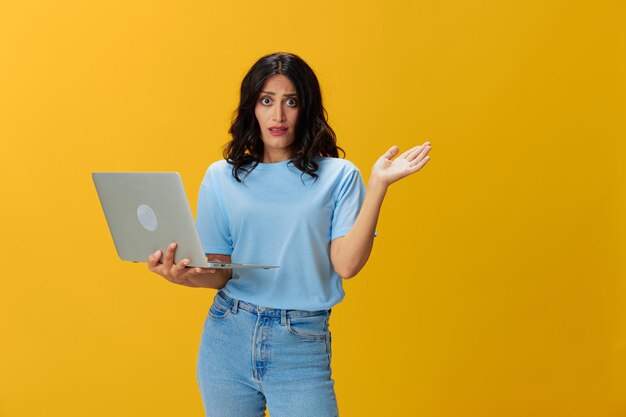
(276, 111)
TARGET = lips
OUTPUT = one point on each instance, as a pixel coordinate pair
(278, 128)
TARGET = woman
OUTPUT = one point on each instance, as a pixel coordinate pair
(282, 196)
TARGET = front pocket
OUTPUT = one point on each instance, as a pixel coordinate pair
(220, 308)
(309, 328)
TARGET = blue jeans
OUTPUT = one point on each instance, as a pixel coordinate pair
(251, 356)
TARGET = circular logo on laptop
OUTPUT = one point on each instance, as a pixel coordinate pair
(147, 218)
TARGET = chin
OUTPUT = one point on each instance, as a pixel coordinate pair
(277, 143)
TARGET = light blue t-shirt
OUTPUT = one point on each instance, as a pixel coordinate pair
(280, 216)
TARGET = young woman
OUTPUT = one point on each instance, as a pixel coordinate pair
(282, 196)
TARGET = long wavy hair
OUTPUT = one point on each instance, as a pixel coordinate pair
(313, 137)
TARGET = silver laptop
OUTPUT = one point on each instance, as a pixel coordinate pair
(147, 211)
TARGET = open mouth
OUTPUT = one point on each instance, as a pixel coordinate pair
(278, 130)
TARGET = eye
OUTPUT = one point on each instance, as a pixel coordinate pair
(264, 102)
(292, 102)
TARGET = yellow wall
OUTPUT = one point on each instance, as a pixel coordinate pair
(497, 283)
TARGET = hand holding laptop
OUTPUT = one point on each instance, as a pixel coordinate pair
(180, 273)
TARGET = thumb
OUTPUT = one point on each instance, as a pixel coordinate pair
(393, 151)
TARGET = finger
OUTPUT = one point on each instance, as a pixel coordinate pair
(153, 260)
(168, 260)
(393, 151)
(410, 154)
(424, 152)
(406, 153)
(420, 156)
(418, 163)
(179, 268)
(419, 151)
(202, 271)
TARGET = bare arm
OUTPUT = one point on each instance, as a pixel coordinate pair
(350, 253)
(191, 277)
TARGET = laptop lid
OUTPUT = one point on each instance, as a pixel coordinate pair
(146, 211)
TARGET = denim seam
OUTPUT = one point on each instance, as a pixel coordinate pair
(303, 335)
(329, 350)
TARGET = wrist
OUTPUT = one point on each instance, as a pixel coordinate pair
(377, 184)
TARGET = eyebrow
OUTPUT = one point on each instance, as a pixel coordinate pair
(271, 93)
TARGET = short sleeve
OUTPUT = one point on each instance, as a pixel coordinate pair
(348, 204)
(211, 220)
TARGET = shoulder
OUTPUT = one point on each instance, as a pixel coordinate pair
(220, 165)
(340, 175)
(338, 166)
(218, 170)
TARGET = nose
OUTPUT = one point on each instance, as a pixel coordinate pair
(278, 113)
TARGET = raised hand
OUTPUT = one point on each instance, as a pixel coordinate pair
(388, 170)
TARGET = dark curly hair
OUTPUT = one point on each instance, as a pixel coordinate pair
(313, 137)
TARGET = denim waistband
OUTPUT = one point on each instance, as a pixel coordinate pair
(267, 311)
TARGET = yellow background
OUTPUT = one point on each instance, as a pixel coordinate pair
(496, 287)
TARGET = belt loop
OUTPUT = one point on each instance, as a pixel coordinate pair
(283, 317)
(235, 306)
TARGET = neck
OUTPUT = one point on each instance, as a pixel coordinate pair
(271, 158)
